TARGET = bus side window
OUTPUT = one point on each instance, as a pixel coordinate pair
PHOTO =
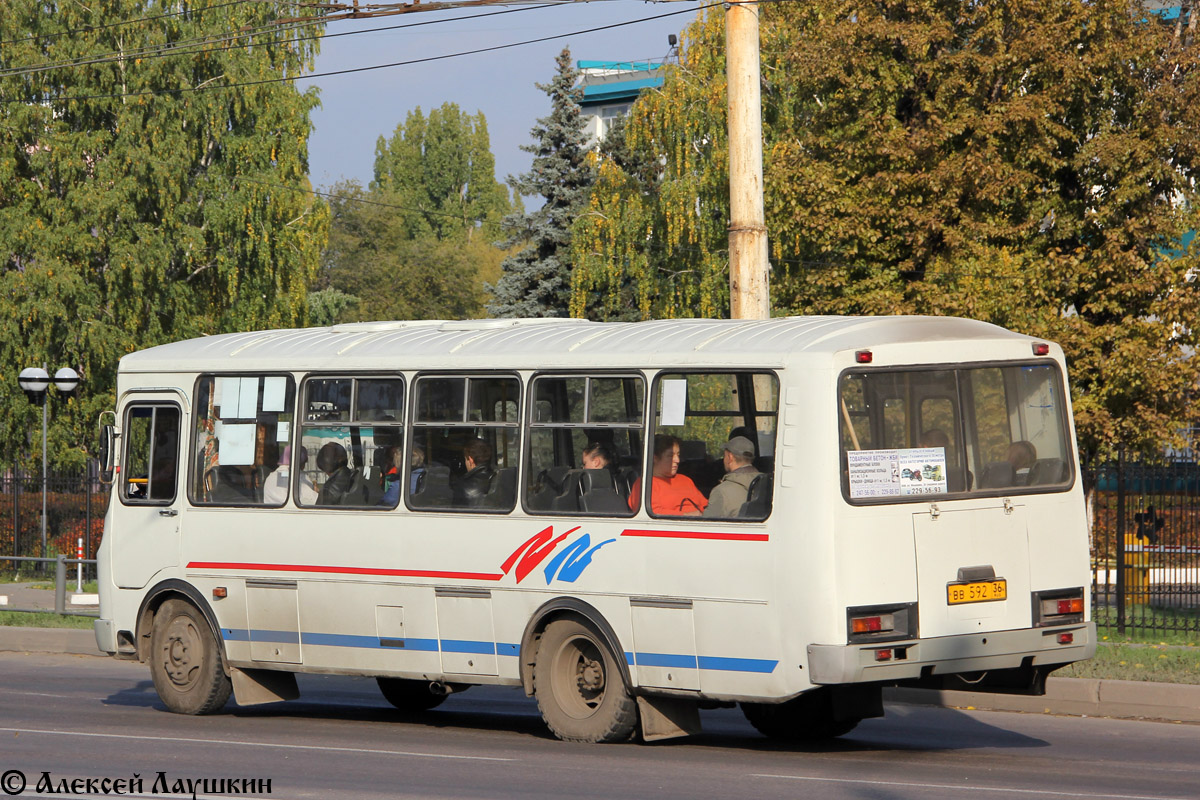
(351, 446)
(466, 437)
(585, 444)
(242, 430)
(714, 446)
(150, 466)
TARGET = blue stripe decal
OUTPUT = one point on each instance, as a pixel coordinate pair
(713, 663)
(466, 646)
(278, 637)
(761, 665)
(665, 660)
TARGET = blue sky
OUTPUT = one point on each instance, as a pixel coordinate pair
(358, 108)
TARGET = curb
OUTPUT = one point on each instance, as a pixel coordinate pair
(1077, 697)
(73, 641)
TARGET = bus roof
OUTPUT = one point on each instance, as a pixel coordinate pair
(544, 343)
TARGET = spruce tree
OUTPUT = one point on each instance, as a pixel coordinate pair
(536, 281)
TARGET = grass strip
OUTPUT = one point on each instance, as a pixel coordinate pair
(1163, 663)
(44, 619)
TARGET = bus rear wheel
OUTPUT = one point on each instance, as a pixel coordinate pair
(185, 661)
(580, 690)
(409, 695)
(808, 717)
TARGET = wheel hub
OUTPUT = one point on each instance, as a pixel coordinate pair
(590, 676)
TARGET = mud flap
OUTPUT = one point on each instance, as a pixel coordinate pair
(252, 687)
(668, 717)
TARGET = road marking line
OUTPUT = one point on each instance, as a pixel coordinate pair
(35, 694)
(255, 744)
(959, 787)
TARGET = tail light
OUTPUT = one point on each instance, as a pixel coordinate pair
(1058, 607)
(881, 623)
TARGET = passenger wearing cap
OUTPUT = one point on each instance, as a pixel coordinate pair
(728, 497)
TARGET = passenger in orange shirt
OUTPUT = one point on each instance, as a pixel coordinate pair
(671, 494)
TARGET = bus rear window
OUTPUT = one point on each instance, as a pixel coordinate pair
(996, 429)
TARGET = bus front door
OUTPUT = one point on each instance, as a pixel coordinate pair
(145, 522)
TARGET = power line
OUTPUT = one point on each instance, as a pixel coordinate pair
(201, 42)
(292, 78)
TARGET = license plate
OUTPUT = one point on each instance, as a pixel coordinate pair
(977, 591)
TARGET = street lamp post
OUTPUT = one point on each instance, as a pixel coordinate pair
(35, 382)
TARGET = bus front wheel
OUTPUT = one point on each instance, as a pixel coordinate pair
(409, 695)
(808, 717)
(579, 687)
(185, 661)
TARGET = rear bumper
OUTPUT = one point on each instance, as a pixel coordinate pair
(950, 655)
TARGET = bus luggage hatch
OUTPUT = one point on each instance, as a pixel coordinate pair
(972, 570)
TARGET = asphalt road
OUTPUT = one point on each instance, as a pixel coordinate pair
(83, 717)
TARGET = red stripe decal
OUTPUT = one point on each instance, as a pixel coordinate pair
(402, 573)
(726, 537)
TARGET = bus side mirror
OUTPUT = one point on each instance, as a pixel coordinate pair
(107, 452)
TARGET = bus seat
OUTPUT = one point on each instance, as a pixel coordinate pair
(502, 490)
(758, 498)
(433, 488)
(568, 499)
(765, 464)
(549, 485)
(692, 450)
(598, 495)
(997, 475)
(1047, 471)
(229, 484)
(626, 478)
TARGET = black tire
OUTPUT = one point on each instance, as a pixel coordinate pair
(580, 689)
(808, 717)
(186, 662)
(410, 696)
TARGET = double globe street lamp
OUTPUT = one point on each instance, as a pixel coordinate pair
(35, 381)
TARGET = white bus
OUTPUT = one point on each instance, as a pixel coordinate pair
(835, 505)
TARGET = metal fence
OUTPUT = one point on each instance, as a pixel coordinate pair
(75, 503)
(1145, 521)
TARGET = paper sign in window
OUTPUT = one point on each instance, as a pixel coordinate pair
(274, 394)
(674, 402)
(226, 394)
(237, 445)
(248, 399)
(283, 431)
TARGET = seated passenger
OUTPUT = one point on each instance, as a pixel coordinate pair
(598, 456)
(389, 479)
(1021, 455)
(473, 486)
(418, 469)
(340, 480)
(733, 491)
(671, 494)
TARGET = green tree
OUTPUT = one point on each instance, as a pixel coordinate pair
(417, 244)
(536, 281)
(141, 201)
(441, 170)
(373, 261)
(1030, 164)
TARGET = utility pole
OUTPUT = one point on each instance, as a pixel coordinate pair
(749, 295)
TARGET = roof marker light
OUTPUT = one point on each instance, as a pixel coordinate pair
(863, 356)
(1041, 349)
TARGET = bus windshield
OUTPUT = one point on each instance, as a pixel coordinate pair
(911, 433)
